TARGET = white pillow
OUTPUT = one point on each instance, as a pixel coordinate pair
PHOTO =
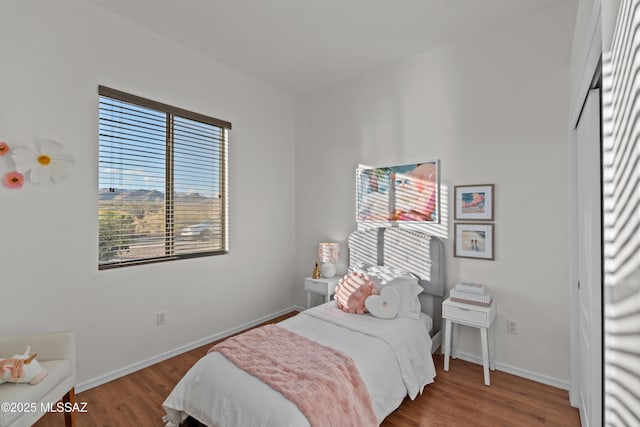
(384, 306)
(405, 282)
(385, 273)
(409, 290)
(362, 265)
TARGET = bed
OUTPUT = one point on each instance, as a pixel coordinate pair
(393, 357)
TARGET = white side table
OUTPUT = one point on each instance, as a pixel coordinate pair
(475, 316)
(322, 286)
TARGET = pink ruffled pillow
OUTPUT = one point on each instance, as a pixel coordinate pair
(352, 290)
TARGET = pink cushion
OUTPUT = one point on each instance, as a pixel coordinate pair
(352, 290)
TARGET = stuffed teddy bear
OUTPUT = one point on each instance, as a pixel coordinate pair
(22, 369)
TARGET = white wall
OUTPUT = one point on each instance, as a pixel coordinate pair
(54, 56)
(493, 109)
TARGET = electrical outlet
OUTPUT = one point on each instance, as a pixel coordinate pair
(161, 318)
(512, 326)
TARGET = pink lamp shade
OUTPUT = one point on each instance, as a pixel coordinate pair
(328, 254)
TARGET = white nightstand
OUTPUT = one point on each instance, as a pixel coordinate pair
(322, 286)
(475, 316)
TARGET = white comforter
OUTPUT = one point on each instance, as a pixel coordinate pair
(393, 358)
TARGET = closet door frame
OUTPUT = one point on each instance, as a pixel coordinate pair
(584, 80)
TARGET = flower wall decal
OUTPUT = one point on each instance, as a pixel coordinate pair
(48, 163)
(13, 180)
(4, 148)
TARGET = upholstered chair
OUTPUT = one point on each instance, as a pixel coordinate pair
(57, 354)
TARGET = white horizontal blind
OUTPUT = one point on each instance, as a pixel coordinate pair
(162, 182)
(621, 187)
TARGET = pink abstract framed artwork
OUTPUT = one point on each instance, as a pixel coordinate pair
(403, 193)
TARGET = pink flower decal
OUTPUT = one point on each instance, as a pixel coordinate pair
(13, 180)
(4, 148)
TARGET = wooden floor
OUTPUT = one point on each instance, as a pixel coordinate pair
(456, 398)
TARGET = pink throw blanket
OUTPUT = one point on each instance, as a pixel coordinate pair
(322, 382)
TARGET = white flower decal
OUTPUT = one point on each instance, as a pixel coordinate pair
(49, 163)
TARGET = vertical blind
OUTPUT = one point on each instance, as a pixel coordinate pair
(162, 182)
(621, 187)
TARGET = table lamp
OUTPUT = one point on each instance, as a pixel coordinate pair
(328, 254)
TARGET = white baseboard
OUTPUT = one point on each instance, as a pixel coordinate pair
(533, 376)
(113, 375)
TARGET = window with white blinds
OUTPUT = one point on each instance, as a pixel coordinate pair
(621, 188)
(162, 184)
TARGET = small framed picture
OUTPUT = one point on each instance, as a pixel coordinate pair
(473, 202)
(474, 241)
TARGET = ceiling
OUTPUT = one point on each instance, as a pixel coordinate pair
(305, 46)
